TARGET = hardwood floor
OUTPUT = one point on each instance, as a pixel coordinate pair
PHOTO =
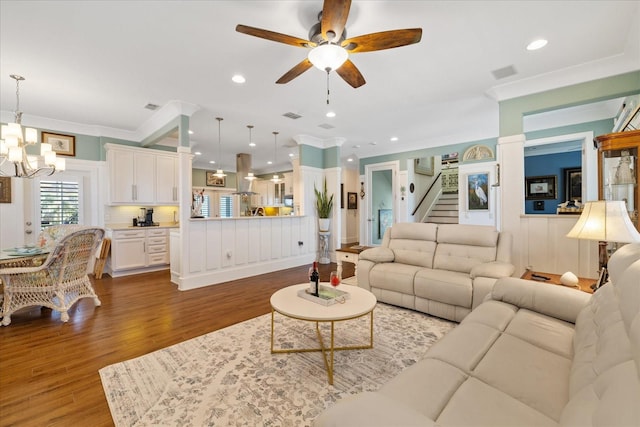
(49, 369)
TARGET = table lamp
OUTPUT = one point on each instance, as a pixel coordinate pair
(607, 222)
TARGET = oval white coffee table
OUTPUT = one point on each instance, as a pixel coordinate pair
(287, 302)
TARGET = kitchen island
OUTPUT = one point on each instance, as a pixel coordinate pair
(207, 251)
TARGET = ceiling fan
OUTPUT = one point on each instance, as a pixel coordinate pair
(330, 46)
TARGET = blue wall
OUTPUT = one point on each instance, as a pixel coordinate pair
(550, 164)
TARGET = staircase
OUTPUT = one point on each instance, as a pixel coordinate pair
(445, 211)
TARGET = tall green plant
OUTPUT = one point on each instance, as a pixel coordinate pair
(324, 203)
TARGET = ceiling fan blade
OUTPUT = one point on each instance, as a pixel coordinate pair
(382, 40)
(273, 36)
(351, 74)
(295, 71)
(334, 18)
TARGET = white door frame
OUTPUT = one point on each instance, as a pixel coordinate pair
(367, 215)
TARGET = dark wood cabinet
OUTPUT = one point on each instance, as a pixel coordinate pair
(618, 169)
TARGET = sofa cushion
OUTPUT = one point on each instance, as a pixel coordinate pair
(478, 404)
(465, 347)
(543, 331)
(364, 410)
(462, 247)
(413, 243)
(530, 374)
(394, 276)
(427, 397)
(461, 258)
(448, 287)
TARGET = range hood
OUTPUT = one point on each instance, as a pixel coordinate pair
(243, 167)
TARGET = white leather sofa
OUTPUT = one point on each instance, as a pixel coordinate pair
(533, 354)
(445, 270)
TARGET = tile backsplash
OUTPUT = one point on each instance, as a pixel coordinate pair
(125, 214)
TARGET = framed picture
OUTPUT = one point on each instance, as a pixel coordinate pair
(541, 187)
(573, 184)
(385, 219)
(478, 191)
(64, 145)
(352, 200)
(216, 181)
(5, 189)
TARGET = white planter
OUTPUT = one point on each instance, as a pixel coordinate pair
(324, 223)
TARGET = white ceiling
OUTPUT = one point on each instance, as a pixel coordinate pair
(92, 66)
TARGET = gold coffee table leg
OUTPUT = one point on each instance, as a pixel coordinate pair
(328, 359)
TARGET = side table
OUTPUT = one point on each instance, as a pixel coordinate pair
(351, 255)
(583, 284)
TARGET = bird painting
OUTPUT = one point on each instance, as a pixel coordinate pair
(477, 193)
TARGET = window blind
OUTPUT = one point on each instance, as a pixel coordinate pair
(59, 203)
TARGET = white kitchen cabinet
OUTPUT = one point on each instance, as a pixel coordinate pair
(131, 177)
(139, 176)
(128, 249)
(288, 183)
(166, 180)
(138, 250)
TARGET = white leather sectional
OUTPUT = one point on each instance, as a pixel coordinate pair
(441, 269)
(533, 354)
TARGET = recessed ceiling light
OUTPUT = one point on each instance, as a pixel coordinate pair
(252, 144)
(197, 153)
(213, 162)
(269, 162)
(393, 138)
(237, 78)
(373, 143)
(350, 159)
(330, 114)
(290, 154)
(190, 132)
(537, 44)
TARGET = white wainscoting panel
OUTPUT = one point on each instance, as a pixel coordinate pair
(544, 246)
(223, 249)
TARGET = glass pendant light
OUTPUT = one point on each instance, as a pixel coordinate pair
(219, 172)
(275, 178)
(250, 176)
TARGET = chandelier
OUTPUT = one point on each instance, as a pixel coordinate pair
(13, 143)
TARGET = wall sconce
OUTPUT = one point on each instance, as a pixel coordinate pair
(362, 190)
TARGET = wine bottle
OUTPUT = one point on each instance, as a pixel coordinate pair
(315, 279)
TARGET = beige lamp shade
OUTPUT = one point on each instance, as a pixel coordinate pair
(606, 221)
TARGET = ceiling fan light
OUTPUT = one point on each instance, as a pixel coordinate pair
(328, 56)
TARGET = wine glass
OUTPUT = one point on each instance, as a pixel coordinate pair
(334, 279)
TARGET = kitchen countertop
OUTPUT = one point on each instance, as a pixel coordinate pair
(131, 227)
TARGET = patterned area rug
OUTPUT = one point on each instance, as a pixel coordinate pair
(229, 377)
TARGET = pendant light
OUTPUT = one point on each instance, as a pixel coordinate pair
(275, 178)
(250, 175)
(220, 172)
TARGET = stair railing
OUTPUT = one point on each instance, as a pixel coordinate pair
(426, 193)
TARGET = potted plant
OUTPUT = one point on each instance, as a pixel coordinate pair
(324, 206)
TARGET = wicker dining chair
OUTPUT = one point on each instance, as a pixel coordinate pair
(59, 282)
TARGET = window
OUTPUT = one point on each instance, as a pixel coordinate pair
(59, 203)
(226, 206)
(205, 206)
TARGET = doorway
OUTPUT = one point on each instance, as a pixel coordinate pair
(381, 203)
